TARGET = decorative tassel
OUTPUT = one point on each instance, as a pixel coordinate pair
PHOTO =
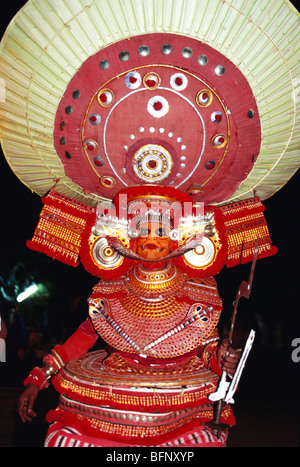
(244, 223)
(60, 228)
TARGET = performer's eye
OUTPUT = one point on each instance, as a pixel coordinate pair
(144, 232)
(161, 232)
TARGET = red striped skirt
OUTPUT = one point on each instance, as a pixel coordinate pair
(60, 436)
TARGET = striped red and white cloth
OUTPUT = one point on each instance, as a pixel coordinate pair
(59, 436)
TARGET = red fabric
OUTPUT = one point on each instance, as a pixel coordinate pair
(68, 419)
(65, 436)
(133, 358)
(214, 366)
(79, 343)
(87, 328)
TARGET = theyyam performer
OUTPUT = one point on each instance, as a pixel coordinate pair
(153, 131)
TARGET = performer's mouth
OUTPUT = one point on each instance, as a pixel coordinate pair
(152, 246)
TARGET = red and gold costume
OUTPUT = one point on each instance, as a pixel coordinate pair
(152, 385)
(134, 115)
(159, 319)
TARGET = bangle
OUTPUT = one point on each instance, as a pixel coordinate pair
(52, 364)
(54, 359)
(209, 357)
(37, 376)
(41, 376)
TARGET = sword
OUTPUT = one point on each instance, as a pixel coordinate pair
(220, 396)
(238, 372)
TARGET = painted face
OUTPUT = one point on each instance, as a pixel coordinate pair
(153, 241)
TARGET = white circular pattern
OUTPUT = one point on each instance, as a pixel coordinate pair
(201, 256)
(94, 119)
(152, 163)
(133, 80)
(179, 81)
(101, 256)
(158, 106)
(216, 117)
(105, 97)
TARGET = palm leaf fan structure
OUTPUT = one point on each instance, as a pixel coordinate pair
(202, 95)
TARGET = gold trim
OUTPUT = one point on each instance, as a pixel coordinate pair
(210, 94)
(104, 104)
(152, 88)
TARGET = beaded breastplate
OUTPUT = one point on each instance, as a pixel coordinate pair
(159, 313)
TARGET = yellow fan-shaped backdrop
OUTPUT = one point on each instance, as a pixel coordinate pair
(48, 41)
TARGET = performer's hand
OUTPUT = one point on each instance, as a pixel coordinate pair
(26, 402)
(228, 362)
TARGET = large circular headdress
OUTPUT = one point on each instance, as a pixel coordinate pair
(199, 95)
